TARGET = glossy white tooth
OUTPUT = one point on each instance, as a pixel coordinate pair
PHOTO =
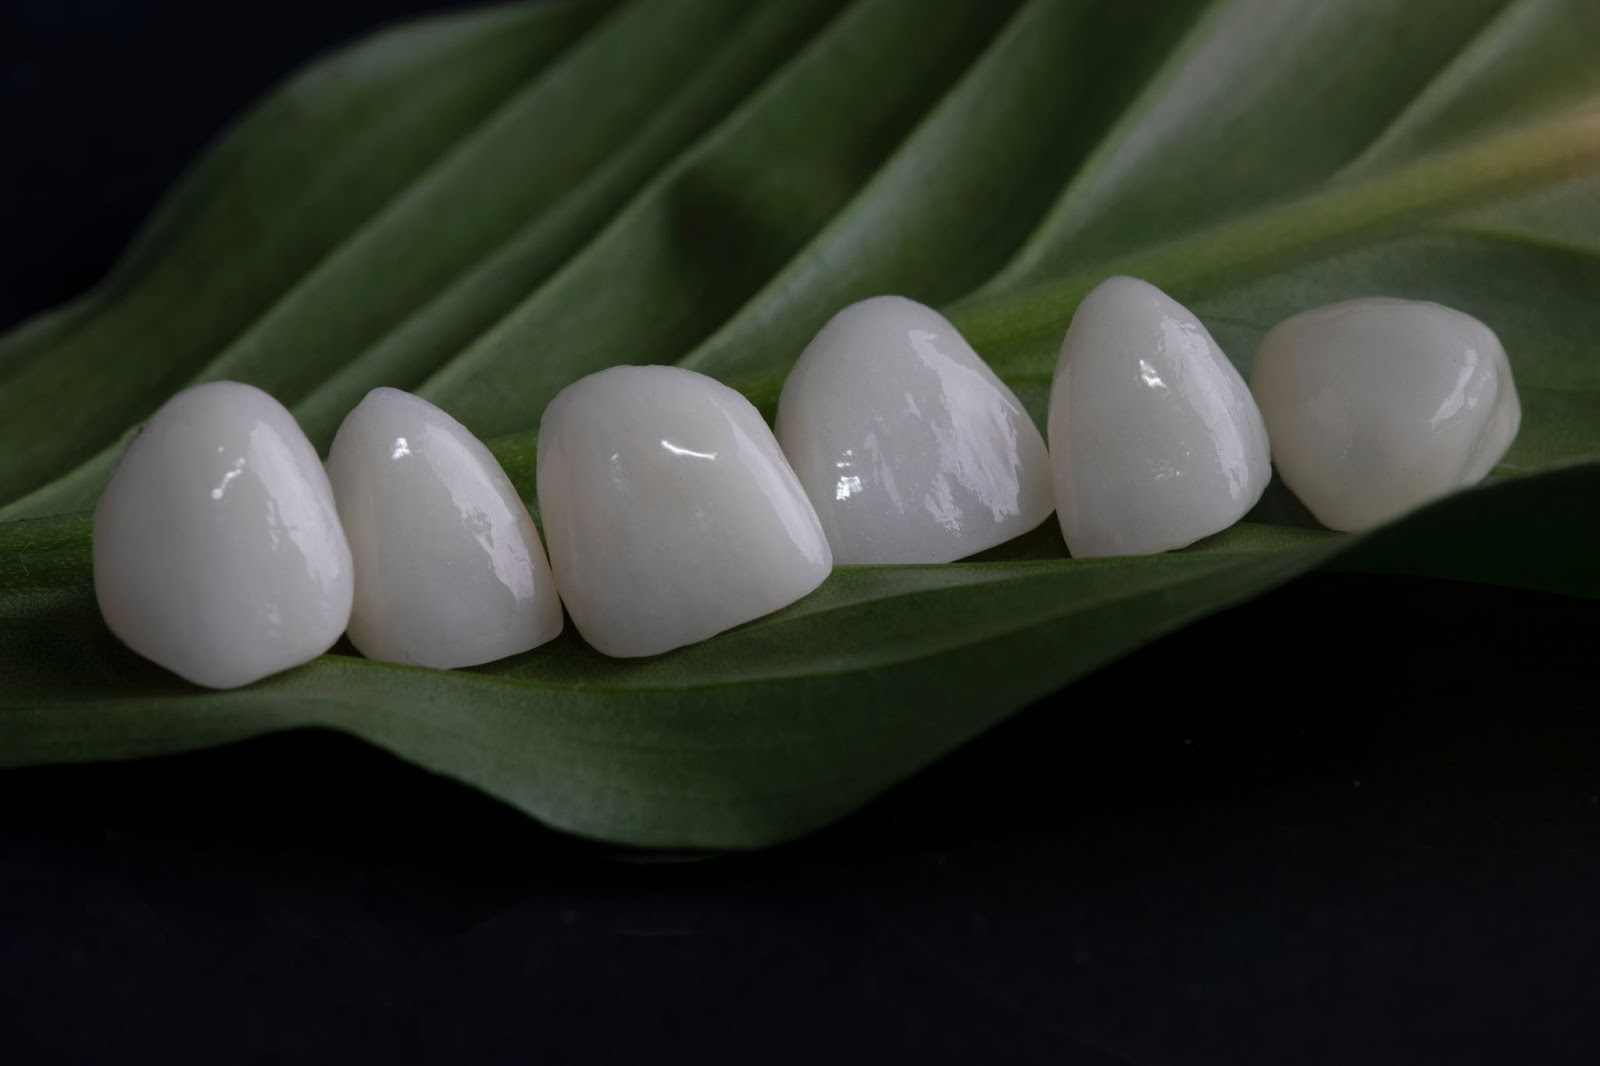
(1378, 406)
(217, 549)
(670, 512)
(1154, 437)
(910, 447)
(449, 568)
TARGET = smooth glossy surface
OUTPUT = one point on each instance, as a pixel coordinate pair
(449, 568)
(1154, 437)
(910, 447)
(670, 512)
(217, 549)
(1377, 406)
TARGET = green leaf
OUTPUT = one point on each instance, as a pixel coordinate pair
(485, 207)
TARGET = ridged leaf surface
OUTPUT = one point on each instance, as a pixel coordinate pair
(485, 207)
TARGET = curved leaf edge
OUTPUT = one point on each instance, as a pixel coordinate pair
(44, 557)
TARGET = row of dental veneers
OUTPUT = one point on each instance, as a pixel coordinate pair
(225, 551)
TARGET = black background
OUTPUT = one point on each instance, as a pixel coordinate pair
(1357, 821)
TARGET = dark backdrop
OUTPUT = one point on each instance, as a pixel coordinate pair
(1305, 831)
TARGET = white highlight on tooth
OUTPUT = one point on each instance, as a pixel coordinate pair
(670, 512)
(449, 570)
(1154, 437)
(1377, 406)
(217, 549)
(909, 446)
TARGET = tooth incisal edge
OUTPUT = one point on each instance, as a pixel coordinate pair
(1377, 406)
(909, 446)
(1155, 440)
(670, 512)
(449, 569)
(218, 551)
